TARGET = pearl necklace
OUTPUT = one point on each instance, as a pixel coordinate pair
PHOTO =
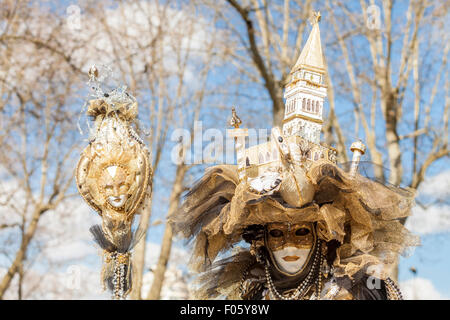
(393, 291)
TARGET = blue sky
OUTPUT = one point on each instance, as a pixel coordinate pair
(431, 259)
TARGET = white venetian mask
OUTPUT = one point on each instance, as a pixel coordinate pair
(291, 259)
(290, 245)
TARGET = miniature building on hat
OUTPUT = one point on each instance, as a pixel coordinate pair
(305, 93)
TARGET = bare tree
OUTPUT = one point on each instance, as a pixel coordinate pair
(144, 44)
(264, 53)
(391, 69)
(42, 87)
(181, 170)
(401, 86)
(37, 132)
(396, 84)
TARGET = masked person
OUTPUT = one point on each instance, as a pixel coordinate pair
(287, 222)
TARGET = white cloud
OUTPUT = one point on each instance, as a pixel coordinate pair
(434, 219)
(175, 286)
(73, 282)
(176, 281)
(69, 251)
(178, 256)
(434, 216)
(12, 199)
(437, 186)
(420, 289)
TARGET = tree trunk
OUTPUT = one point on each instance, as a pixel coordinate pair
(278, 107)
(392, 110)
(20, 255)
(166, 246)
(139, 255)
(158, 275)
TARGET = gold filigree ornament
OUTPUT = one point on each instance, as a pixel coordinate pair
(113, 177)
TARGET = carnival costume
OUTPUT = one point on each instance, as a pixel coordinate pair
(314, 230)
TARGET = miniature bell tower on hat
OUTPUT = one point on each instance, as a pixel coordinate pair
(298, 141)
(305, 92)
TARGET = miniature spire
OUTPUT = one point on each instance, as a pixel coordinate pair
(93, 72)
(234, 121)
(305, 92)
(239, 142)
(358, 148)
(312, 55)
(315, 18)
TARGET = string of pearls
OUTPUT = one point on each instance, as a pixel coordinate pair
(119, 278)
(319, 278)
(394, 292)
(135, 136)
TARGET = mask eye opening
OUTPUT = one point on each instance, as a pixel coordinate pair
(302, 232)
(276, 233)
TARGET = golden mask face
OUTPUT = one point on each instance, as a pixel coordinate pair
(114, 187)
(281, 235)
